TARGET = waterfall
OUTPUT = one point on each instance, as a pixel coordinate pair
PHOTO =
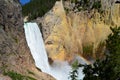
(36, 45)
(59, 70)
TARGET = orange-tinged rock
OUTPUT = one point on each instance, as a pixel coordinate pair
(66, 34)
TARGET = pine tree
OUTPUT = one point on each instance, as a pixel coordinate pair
(37, 8)
(109, 67)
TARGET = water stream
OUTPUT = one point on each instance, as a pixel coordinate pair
(59, 70)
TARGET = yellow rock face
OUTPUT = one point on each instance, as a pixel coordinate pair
(66, 35)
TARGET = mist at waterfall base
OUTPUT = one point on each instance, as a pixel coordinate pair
(59, 70)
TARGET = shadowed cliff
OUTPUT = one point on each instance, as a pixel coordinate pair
(15, 57)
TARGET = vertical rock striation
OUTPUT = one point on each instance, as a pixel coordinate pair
(13, 47)
(14, 52)
(67, 33)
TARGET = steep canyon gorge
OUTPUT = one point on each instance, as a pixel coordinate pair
(66, 34)
(69, 33)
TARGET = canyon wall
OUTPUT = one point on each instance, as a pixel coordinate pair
(14, 53)
(70, 33)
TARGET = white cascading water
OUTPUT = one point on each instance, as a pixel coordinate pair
(59, 70)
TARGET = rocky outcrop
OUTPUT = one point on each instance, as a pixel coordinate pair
(83, 33)
(13, 47)
(12, 40)
(14, 52)
(5, 77)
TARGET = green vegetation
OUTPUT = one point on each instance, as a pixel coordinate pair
(87, 5)
(88, 51)
(74, 1)
(74, 72)
(16, 76)
(113, 45)
(37, 8)
(107, 68)
(99, 51)
(97, 5)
